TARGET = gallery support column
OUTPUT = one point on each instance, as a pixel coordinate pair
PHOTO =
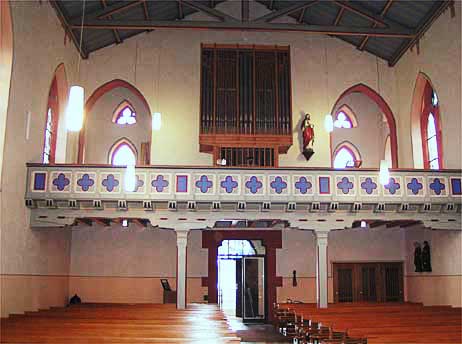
(181, 260)
(321, 268)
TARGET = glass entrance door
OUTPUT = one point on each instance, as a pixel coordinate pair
(253, 288)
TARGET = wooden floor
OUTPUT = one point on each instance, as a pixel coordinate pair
(384, 323)
(99, 323)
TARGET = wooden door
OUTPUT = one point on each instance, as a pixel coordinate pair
(392, 276)
(368, 282)
(343, 283)
(368, 273)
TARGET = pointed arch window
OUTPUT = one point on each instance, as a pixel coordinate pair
(51, 125)
(346, 156)
(432, 143)
(430, 129)
(48, 138)
(345, 118)
(124, 114)
(123, 153)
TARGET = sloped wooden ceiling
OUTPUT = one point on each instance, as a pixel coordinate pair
(384, 28)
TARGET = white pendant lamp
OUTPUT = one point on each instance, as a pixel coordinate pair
(74, 111)
(329, 123)
(156, 121)
(130, 178)
(384, 174)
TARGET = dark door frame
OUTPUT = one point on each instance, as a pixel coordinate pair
(271, 239)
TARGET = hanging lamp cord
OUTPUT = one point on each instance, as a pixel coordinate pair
(81, 40)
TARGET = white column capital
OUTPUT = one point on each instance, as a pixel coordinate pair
(321, 237)
(182, 236)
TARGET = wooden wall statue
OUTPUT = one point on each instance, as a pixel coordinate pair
(308, 137)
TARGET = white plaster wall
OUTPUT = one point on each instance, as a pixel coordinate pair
(197, 256)
(119, 252)
(362, 245)
(165, 66)
(38, 49)
(440, 60)
(298, 253)
(446, 251)
(101, 133)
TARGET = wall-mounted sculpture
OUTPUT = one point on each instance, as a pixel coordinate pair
(308, 137)
(422, 257)
(417, 257)
(426, 258)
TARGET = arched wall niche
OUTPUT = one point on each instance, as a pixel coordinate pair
(6, 63)
(423, 86)
(381, 110)
(99, 111)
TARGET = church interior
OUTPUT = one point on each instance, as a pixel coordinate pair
(230, 171)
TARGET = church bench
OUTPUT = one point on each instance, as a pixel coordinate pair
(119, 324)
(380, 323)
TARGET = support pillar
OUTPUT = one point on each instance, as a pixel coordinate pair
(181, 273)
(321, 268)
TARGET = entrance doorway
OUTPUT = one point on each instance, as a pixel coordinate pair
(241, 279)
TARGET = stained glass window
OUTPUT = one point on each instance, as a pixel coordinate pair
(432, 143)
(123, 155)
(48, 137)
(124, 114)
(343, 121)
(344, 158)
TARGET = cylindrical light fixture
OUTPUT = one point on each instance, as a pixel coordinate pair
(130, 178)
(329, 123)
(156, 121)
(384, 174)
(74, 111)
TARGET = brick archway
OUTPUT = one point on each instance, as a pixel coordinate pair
(271, 239)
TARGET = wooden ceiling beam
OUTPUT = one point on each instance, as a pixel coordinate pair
(385, 9)
(114, 31)
(102, 221)
(350, 6)
(302, 15)
(245, 10)
(67, 27)
(437, 9)
(209, 11)
(339, 16)
(250, 26)
(84, 221)
(118, 9)
(285, 11)
(180, 10)
(141, 222)
(145, 10)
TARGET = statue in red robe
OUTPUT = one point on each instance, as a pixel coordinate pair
(308, 137)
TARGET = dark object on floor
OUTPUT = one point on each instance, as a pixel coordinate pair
(262, 333)
(75, 300)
